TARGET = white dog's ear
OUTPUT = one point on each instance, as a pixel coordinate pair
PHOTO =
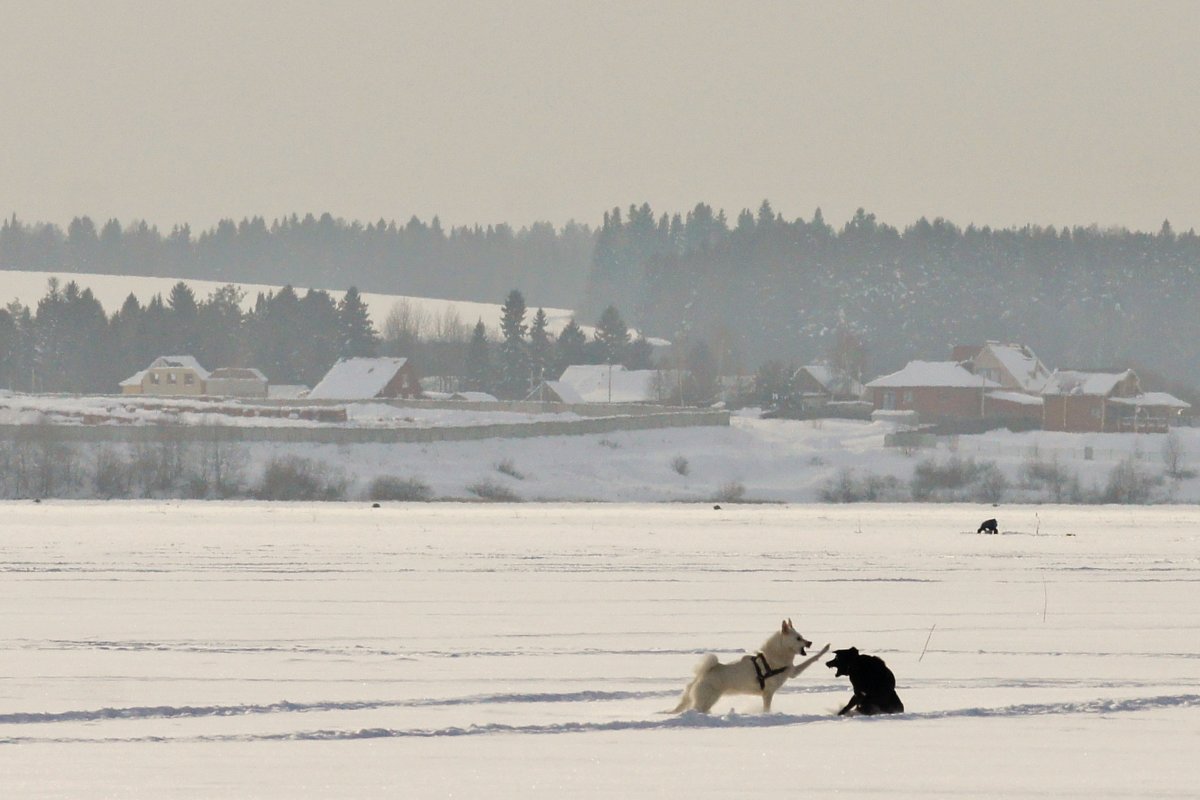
(785, 626)
(790, 625)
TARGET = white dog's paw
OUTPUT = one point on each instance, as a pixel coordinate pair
(824, 649)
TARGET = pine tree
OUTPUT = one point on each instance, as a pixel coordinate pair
(639, 354)
(612, 336)
(541, 348)
(570, 347)
(184, 318)
(479, 361)
(514, 351)
(358, 333)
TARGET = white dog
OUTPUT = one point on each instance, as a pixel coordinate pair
(761, 674)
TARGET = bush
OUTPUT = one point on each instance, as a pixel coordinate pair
(845, 487)
(1129, 483)
(506, 467)
(1056, 481)
(494, 492)
(732, 492)
(296, 478)
(680, 465)
(390, 487)
(112, 475)
(957, 480)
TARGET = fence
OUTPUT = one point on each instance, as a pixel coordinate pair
(326, 434)
(1046, 453)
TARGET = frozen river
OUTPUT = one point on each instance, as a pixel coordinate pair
(180, 650)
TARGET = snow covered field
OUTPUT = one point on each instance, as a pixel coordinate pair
(181, 650)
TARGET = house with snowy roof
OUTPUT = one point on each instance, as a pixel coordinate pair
(368, 379)
(936, 390)
(168, 376)
(612, 383)
(816, 385)
(1014, 366)
(1107, 401)
(554, 392)
(236, 382)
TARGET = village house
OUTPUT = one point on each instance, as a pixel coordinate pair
(236, 382)
(604, 383)
(815, 385)
(1014, 366)
(554, 392)
(368, 379)
(1109, 401)
(937, 391)
(168, 376)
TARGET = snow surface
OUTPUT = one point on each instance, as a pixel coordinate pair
(188, 650)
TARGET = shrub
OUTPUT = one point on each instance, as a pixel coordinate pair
(1129, 483)
(680, 465)
(1173, 454)
(390, 487)
(296, 478)
(506, 467)
(494, 492)
(111, 474)
(957, 480)
(845, 487)
(732, 492)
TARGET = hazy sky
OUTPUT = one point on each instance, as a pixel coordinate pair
(997, 113)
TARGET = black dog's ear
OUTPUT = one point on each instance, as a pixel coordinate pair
(852, 651)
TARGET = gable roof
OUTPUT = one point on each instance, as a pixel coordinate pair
(834, 381)
(600, 383)
(1021, 363)
(357, 378)
(563, 391)
(135, 379)
(1070, 381)
(1153, 400)
(932, 373)
(180, 362)
(237, 374)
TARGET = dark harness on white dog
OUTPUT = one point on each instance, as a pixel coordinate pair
(763, 670)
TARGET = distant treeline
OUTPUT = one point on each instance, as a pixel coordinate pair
(69, 343)
(417, 258)
(762, 287)
(753, 288)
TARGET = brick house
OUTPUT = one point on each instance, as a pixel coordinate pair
(1079, 401)
(1014, 366)
(936, 390)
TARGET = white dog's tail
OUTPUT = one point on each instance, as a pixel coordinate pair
(703, 668)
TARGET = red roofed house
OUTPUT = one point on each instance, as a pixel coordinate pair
(936, 390)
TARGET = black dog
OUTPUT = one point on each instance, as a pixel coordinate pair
(988, 526)
(874, 684)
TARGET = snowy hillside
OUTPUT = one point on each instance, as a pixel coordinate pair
(111, 291)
